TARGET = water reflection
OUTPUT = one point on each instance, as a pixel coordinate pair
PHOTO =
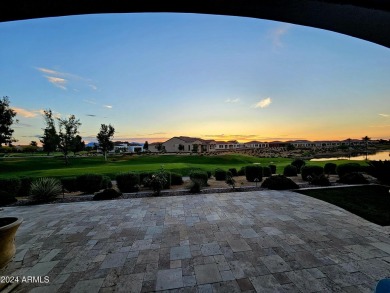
(382, 155)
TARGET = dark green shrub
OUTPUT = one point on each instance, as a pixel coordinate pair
(241, 172)
(343, 169)
(311, 171)
(273, 168)
(330, 168)
(45, 189)
(290, 171)
(380, 170)
(6, 198)
(199, 175)
(196, 185)
(89, 183)
(69, 184)
(209, 174)
(106, 182)
(353, 178)
(267, 172)
(252, 172)
(220, 175)
(128, 182)
(279, 182)
(176, 179)
(320, 180)
(25, 186)
(299, 163)
(10, 185)
(233, 171)
(107, 194)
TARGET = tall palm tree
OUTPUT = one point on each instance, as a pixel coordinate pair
(366, 139)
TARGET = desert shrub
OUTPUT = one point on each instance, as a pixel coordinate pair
(143, 176)
(106, 182)
(299, 163)
(176, 179)
(108, 193)
(159, 181)
(128, 181)
(69, 184)
(10, 185)
(279, 182)
(45, 189)
(220, 175)
(267, 171)
(252, 172)
(380, 170)
(230, 180)
(311, 171)
(241, 172)
(233, 171)
(25, 186)
(343, 169)
(199, 175)
(353, 178)
(330, 168)
(89, 183)
(273, 169)
(6, 198)
(290, 171)
(320, 180)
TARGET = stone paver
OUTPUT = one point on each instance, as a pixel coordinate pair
(263, 241)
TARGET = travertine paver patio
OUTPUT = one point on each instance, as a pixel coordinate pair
(263, 241)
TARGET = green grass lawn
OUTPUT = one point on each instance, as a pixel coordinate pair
(54, 166)
(371, 202)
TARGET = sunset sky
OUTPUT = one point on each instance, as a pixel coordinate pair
(154, 76)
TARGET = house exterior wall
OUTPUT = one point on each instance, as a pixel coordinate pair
(172, 145)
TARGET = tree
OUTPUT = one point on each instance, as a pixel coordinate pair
(146, 146)
(366, 139)
(78, 144)
(50, 138)
(68, 129)
(32, 148)
(159, 146)
(104, 137)
(6, 120)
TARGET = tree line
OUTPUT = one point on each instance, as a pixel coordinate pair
(66, 139)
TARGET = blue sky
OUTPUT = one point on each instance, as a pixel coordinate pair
(154, 76)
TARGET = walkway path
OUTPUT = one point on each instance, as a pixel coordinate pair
(263, 241)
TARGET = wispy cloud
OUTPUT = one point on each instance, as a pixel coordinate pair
(380, 126)
(157, 133)
(22, 125)
(59, 78)
(57, 81)
(92, 86)
(27, 113)
(107, 106)
(90, 102)
(263, 103)
(278, 33)
(232, 100)
(384, 115)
